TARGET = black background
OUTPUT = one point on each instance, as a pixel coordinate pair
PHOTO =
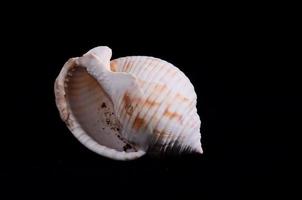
(238, 60)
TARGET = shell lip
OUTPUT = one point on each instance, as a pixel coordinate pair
(88, 142)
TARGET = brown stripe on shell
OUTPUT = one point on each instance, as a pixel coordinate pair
(150, 103)
(160, 88)
(147, 103)
(172, 115)
(161, 134)
(128, 103)
(113, 66)
(182, 97)
(138, 122)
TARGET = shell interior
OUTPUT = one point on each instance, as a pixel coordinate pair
(93, 110)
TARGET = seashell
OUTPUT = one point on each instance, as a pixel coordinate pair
(127, 107)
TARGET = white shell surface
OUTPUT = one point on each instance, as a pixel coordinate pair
(167, 107)
(124, 108)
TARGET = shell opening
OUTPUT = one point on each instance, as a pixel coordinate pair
(92, 111)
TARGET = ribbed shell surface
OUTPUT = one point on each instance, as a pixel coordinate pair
(166, 110)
